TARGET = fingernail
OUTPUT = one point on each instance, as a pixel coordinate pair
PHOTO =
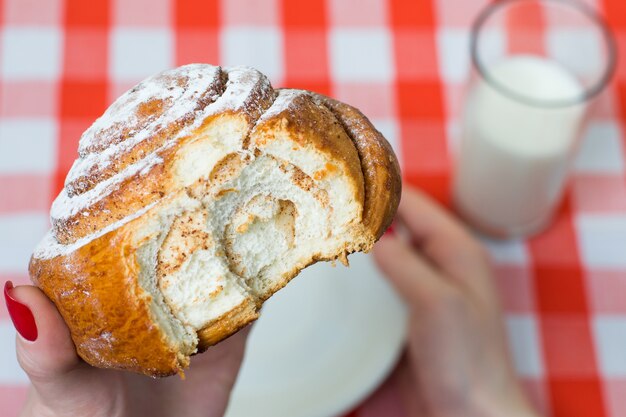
(22, 317)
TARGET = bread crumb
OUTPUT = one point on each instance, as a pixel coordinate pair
(343, 258)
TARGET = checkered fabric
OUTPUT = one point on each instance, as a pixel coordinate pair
(404, 63)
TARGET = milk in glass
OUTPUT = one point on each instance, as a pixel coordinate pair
(514, 155)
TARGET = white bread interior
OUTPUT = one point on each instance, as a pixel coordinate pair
(242, 224)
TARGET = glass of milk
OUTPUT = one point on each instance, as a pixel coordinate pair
(537, 65)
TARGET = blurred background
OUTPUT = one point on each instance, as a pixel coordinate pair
(405, 64)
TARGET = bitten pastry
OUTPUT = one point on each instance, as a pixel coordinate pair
(196, 196)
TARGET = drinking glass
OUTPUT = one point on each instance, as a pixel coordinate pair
(537, 65)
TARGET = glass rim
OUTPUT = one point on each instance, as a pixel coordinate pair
(582, 8)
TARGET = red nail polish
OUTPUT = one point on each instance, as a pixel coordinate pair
(22, 317)
(390, 231)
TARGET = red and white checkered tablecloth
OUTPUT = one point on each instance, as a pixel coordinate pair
(404, 63)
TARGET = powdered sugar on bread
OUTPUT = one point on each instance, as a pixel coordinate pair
(284, 99)
(239, 94)
(65, 206)
(49, 247)
(178, 91)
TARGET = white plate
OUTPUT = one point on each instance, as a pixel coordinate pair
(322, 344)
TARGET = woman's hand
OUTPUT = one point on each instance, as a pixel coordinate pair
(62, 385)
(457, 357)
(457, 353)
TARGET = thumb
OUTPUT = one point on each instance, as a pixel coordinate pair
(61, 380)
(44, 347)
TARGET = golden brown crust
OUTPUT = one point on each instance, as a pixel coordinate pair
(167, 131)
(381, 171)
(135, 192)
(309, 123)
(131, 195)
(97, 288)
(227, 324)
(146, 114)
